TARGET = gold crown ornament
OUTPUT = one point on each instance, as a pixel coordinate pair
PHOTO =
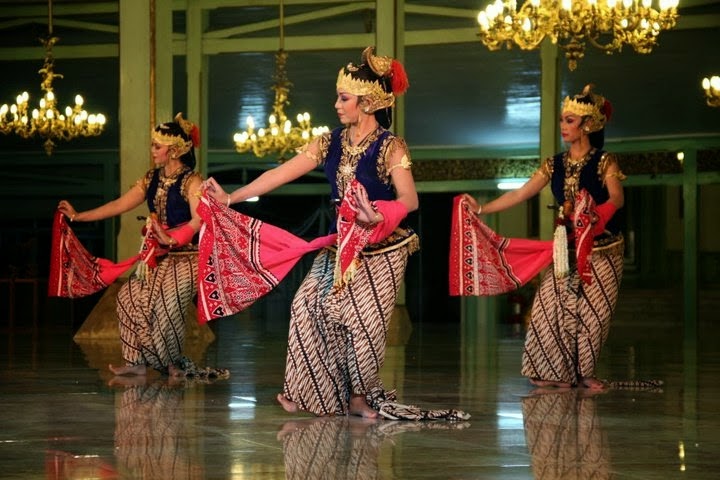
(597, 112)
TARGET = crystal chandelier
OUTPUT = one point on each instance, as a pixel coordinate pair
(280, 137)
(604, 24)
(712, 90)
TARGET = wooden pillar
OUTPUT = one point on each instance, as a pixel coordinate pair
(549, 125)
(161, 67)
(136, 113)
(196, 64)
(390, 40)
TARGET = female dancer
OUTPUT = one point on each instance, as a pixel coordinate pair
(151, 308)
(336, 343)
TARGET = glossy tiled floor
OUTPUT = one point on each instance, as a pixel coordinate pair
(62, 416)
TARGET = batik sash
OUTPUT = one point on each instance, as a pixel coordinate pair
(75, 273)
(242, 258)
(482, 263)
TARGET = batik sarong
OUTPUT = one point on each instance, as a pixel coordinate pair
(570, 319)
(337, 337)
(151, 312)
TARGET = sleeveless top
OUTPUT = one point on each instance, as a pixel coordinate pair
(167, 197)
(365, 161)
(567, 178)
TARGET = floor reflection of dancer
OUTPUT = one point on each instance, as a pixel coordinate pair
(343, 447)
(151, 437)
(564, 436)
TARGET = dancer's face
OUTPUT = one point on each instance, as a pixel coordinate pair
(570, 127)
(347, 108)
(160, 153)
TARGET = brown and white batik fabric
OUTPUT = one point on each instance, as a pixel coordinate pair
(565, 438)
(151, 312)
(336, 342)
(570, 320)
(153, 436)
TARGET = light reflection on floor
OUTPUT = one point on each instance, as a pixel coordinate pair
(64, 417)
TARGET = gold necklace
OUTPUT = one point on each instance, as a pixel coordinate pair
(362, 145)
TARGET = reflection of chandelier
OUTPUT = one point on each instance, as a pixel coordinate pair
(605, 24)
(280, 137)
(46, 121)
(712, 90)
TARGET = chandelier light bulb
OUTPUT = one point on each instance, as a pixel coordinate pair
(711, 85)
(250, 122)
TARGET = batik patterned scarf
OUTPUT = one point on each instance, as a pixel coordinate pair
(583, 217)
(75, 273)
(482, 263)
(242, 258)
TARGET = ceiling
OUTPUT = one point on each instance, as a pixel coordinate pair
(461, 93)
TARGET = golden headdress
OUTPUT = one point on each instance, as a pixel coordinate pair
(164, 136)
(380, 92)
(591, 105)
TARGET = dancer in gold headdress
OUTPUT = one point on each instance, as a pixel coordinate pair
(153, 303)
(571, 312)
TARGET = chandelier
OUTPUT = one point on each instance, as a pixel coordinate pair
(280, 137)
(46, 121)
(605, 24)
(712, 90)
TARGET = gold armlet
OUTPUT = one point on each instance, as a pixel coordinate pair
(404, 163)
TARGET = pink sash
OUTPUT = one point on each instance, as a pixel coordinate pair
(74, 272)
(482, 263)
(242, 258)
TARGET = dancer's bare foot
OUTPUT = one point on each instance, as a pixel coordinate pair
(548, 383)
(288, 405)
(593, 384)
(175, 372)
(358, 406)
(128, 381)
(128, 370)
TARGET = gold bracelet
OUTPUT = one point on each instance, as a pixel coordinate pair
(72, 217)
(228, 200)
(479, 209)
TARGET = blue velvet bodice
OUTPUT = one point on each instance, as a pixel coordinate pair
(590, 178)
(368, 167)
(177, 208)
